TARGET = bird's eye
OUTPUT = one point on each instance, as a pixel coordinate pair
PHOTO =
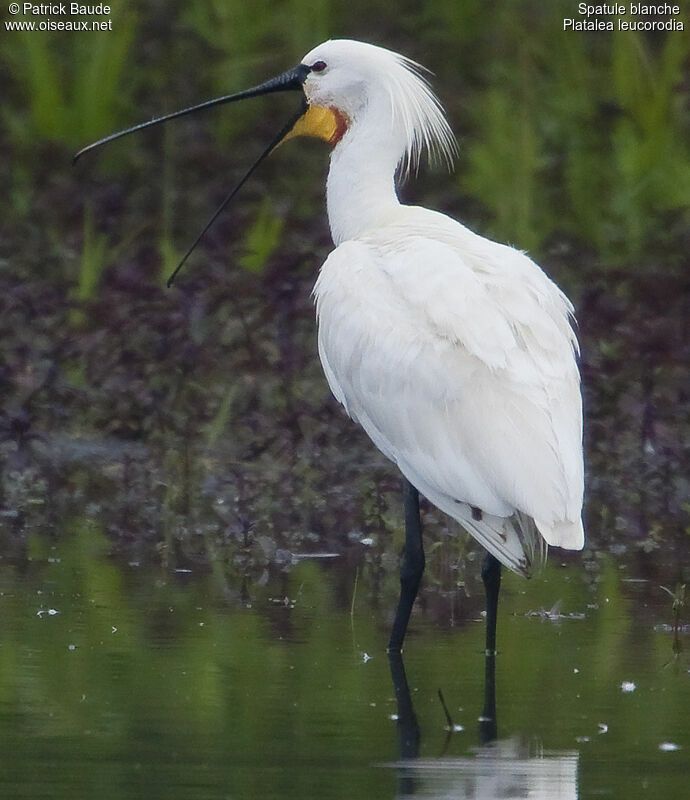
(318, 66)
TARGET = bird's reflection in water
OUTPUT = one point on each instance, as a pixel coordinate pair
(488, 725)
(408, 727)
(506, 769)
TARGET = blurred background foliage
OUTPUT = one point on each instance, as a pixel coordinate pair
(196, 421)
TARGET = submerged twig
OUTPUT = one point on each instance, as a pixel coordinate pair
(354, 595)
(449, 719)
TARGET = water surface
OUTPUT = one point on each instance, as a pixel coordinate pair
(121, 680)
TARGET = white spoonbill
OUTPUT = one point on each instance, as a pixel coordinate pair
(454, 353)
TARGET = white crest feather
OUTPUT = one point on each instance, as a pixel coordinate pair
(420, 113)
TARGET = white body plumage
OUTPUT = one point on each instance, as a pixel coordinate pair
(455, 353)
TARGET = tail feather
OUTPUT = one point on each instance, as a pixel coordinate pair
(570, 535)
(518, 541)
(514, 541)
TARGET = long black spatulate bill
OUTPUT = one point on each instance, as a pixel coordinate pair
(292, 80)
(287, 81)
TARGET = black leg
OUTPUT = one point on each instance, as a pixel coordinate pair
(491, 575)
(411, 568)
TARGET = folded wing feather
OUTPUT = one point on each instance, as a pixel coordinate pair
(456, 355)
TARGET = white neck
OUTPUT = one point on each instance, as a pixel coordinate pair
(360, 191)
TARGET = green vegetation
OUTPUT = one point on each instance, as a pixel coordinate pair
(71, 88)
(93, 259)
(262, 239)
(583, 138)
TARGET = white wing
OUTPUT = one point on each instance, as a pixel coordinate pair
(456, 355)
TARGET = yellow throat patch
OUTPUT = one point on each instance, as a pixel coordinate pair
(322, 123)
